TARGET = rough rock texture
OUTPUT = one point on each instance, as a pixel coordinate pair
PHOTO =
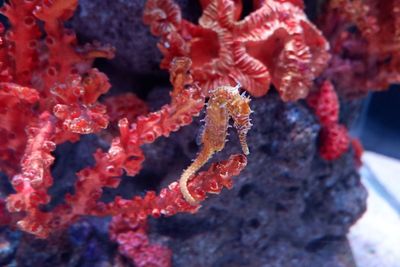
(288, 208)
(120, 23)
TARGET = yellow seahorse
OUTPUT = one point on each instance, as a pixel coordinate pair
(225, 102)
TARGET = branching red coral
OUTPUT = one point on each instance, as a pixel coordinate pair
(325, 103)
(274, 43)
(16, 103)
(54, 68)
(124, 154)
(35, 177)
(170, 200)
(129, 228)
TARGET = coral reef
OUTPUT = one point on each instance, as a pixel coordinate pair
(300, 188)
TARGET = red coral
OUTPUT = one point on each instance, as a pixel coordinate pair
(170, 200)
(77, 108)
(274, 43)
(16, 103)
(131, 236)
(130, 228)
(50, 67)
(334, 141)
(364, 36)
(334, 138)
(325, 103)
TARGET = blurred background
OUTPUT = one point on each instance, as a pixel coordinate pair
(375, 238)
(379, 124)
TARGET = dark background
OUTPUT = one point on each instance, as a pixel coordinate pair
(380, 124)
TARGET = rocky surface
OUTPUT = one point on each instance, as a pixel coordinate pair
(288, 208)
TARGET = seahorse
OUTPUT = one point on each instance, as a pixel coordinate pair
(225, 102)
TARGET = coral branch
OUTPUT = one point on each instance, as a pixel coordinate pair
(35, 178)
(365, 41)
(64, 55)
(170, 201)
(22, 39)
(124, 154)
(16, 103)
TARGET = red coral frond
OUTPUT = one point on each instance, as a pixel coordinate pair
(65, 57)
(16, 103)
(22, 39)
(124, 154)
(35, 178)
(170, 201)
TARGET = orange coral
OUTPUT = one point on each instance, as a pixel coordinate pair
(276, 43)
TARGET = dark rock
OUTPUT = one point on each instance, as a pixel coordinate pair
(288, 208)
(119, 23)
